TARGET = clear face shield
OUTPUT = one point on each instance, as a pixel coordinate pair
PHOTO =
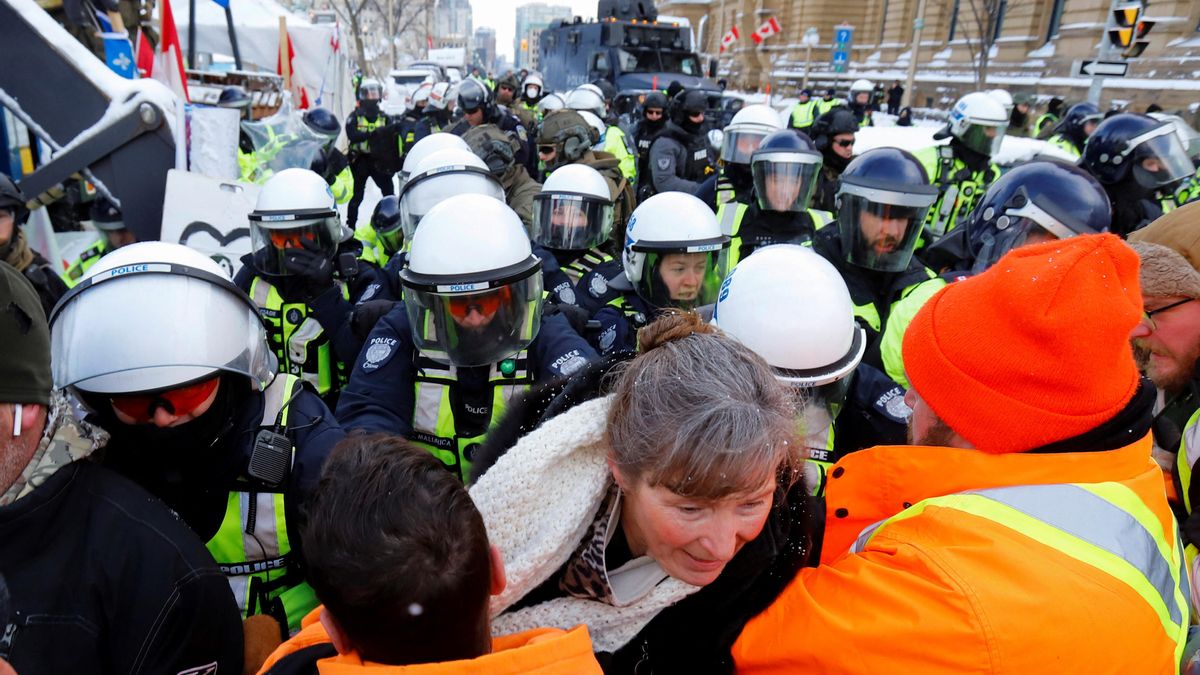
(571, 222)
(879, 228)
(817, 408)
(272, 241)
(683, 278)
(1022, 222)
(739, 144)
(475, 324)
(423, 192)
(785, 181)
(985, 139)
(1159, 158)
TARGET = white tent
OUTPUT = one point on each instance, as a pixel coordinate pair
(320, 64)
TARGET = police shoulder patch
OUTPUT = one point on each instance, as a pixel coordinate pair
(664, 163)
(597, 285)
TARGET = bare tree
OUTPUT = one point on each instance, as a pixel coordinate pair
(401, 18)
(351, 14)
(987, 17)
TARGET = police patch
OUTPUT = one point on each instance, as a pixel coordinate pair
(378, 353)
(293, 315)
(567, 295)
(897, 408)
(597, 286)
(369, 293)
(607, 338)
(664, 163)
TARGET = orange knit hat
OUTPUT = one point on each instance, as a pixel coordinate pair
(1034, 350)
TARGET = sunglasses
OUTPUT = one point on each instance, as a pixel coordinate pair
(487, 304)
(655, 112)
(179, 401)
(284, 239)
(545, 149)
(844, 144)
(1149, 314)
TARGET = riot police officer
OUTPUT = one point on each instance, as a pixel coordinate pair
(1072, 132)
(1133, 156)
(436, 115)
(804, 113)
(679, 157)
(882, 201)
(478, 107)
(170, 358)
(329, 162)
(305, 277)
(441, 368)
(374, 146)
(740, 139)
(675, 255)
(572, 220)
(106, 218)
(643, 133)
(498, 151)
(833, 134)
(962, 170)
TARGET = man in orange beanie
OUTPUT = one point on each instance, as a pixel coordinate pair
(398, 555)
(1029, 531)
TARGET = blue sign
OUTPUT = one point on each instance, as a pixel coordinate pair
(118, 55)
(842, 37)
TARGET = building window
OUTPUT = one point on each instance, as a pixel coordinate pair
(1055, 19)
(999, 19)
(953, 21)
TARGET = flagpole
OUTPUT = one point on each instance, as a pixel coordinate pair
(233, 42)
(191, 34)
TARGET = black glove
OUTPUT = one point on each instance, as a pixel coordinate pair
(367, 314)
(311, 267)
(575, 315)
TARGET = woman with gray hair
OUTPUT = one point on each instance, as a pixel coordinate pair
(658, 515)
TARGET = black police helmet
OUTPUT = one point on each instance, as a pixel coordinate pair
(1057, 197)
(1077, 117)
(1106, 155)
(787, 139)
(888, 169)
(473, 94)
(11, 199)
(233, 96)
(839, 120)
(607, 90)
(386, 217)
(655, 99)
(322, 122)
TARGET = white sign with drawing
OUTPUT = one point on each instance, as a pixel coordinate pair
(209, 215)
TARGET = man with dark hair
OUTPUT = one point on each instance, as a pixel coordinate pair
(397, 589)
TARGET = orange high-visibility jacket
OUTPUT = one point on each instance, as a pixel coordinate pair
(542, 651)
(942, 560)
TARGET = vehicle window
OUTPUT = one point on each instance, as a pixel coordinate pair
(680, 62)
(640, 61)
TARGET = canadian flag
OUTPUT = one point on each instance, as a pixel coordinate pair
(729, 38)
(164, 64)
(766, 30)
(302, 101)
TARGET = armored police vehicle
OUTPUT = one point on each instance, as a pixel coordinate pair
(626, 45)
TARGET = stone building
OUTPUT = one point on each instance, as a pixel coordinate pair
(1037, 46)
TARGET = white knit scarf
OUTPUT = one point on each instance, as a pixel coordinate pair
(537, 503)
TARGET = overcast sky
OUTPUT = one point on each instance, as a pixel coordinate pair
(502, 15)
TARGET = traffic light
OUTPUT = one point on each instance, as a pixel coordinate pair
(524, 44)
(1129, 30)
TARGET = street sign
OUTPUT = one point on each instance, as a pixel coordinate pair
(843, 37)
(1094, 68)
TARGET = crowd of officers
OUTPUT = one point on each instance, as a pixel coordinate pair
(531, 238)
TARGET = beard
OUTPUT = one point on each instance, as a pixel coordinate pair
(1180, 370)
(939, 434)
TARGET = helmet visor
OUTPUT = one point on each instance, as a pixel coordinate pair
(879, 230)
(479, 327)
(570, 222)
(739, 144)
(785, 182)
(984, 139)
(134, 346)
(370, 92)
(683, 279)
(423, 192)
(1159, 158)
(273, 244)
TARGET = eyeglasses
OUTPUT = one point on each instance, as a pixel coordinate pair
(1149, 314)
(845, 144)
(486, 304)
(179, 401)
(283, 239)
(545, 149)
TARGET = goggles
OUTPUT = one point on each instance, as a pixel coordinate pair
(284, 239)
(487, 304)
(179, 401)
